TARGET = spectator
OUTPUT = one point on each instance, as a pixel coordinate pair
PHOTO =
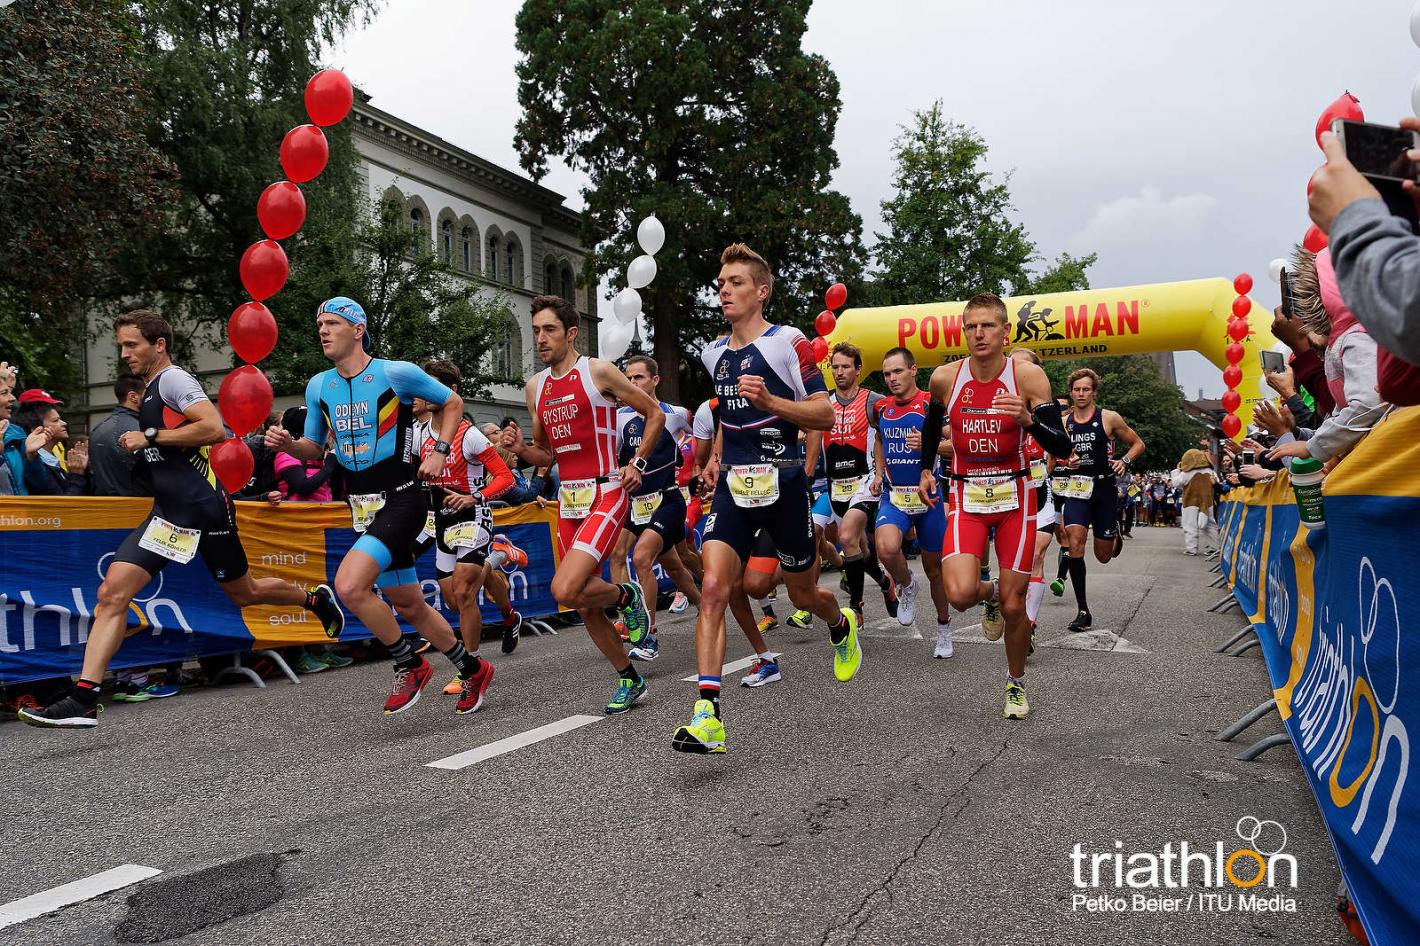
(9, 476)
(1194, 476)
(522, 491)
(110, 466)
(41, 428)
(297, 481)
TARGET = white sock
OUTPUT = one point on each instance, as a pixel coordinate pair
(767, 655)
(1035, 594)
(944, 625)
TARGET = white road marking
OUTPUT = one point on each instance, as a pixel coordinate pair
(728, 669)
(463, 760)
(56, 898)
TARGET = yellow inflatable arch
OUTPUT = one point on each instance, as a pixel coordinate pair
(1134, 320)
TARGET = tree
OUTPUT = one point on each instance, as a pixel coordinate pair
(710, 114)
(78, 178)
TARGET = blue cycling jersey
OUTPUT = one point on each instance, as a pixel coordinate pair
(372, 418)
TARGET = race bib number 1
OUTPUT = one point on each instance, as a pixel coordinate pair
(173, 543)
(363, 509)
(990, 495)
(754, 484)
(576, 497)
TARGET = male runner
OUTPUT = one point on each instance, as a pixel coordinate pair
(572, 403)
(849, 447)
(898, 470)
(1047, 516)
(769, 387)
(368, 403)
(1090, 491)
(657, 518)
(192, 515)
(994, 403)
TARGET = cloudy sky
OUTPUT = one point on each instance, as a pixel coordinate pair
(1173, 140)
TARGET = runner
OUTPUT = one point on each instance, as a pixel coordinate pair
(993, 403)
(769, 387)
(850, 449)
(1047, 515)
(572, 403)
(192, 515)
(1090, 491)
(898, 469)
(657, 519)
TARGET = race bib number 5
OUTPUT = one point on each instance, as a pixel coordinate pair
(907, 499)
(576, 497)
(754, 484)
(990, 494)
(173, 543)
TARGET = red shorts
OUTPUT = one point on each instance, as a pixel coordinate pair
(694, 509)
(597, 533)
(968, 532)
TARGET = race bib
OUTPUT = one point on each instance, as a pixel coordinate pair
(907, 499)
(173, 543)
(1077, 487)
(644, 507)
(466, 535)
(990, 494)
(754, 484)
(429, 527)
(1037, 472)
(575, 498)
(685, 491)
(841, 491)
(363, 508)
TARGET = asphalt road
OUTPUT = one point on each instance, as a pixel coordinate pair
(897, 808)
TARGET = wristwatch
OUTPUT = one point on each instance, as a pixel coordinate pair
(441, 446)
(638, 464)
(152, 434)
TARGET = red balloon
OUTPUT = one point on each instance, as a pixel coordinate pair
(231, 460)
(824, 323)
(329, 97)
(1232, 376)
(304, 152)
(1231, 425)
(1346, 106)
(1242, 305)
(1238, 329)
(264, 269)
(1242, 284)
(1232, 400)
(252, 331)
(281, 209)
(244, 399)
(1314, 240)
(820, 347)
(1235, 353)
(837, 295)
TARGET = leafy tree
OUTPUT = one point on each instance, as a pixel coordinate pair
(710, 114)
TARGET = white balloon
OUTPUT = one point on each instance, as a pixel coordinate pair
(1274, 269)
(651, 235)
(615, 339)
(626, 305)
(1415, 96)
(1415, 23)
(641, 271)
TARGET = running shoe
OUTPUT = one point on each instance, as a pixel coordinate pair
(843, 583)
(648, 650)
(161, 691)
(679, 603)
(332, 619)
(1057, 587)
(1016, 704)
(907, 604)
(803, 620)
(705, 734)
(23, 702)
(768, 623)
(944, 641)
(309, 663)
(67, 713)
(635, 615)
(129, 693)
(621, 631)
(454, 686)
(408, 684)
(515, 556)
(890, 597)
(761, 672)
(512, 632)
(473, 689)
(628, 694)
(848, 655)
(1082, 622)
(333, 660)
(993, 625)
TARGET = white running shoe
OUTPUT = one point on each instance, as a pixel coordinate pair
(907, 604)
(679, 603)
(944, 641)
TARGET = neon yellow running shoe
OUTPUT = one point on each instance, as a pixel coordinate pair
(705, 734)
(1016, 704)
(848, 655)
(801, 619)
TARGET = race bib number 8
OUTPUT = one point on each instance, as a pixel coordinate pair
(576, 497)
(907, 499)
(644, 507)
(1078, 487)
(754, 484)
(173, 543)
(990, 494)
(363, 509)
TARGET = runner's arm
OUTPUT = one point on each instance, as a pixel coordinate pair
(609, 379)
(537, 453)
(1114, 426)
(1045, 424)
(938, 390)
(879, 466)
(813, 446)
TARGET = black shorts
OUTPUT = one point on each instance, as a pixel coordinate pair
(868, 506)
(1099, 513)
(787, 521)
(668, 521)
(219, 546)
(396, 527)
(475, 554)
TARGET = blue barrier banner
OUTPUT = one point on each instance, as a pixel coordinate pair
(1328, 606)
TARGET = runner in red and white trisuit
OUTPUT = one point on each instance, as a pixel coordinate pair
(993, 403)
(573, 408)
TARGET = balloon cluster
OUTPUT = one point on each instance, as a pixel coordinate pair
(245, 396)
(825, 321)
(1348, 108)
(626, 306)
(1238, 331)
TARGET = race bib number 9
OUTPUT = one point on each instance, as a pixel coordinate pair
(907, 499)
(644, 507)
(364, 507)
(173, 543)
(576, 497)
(841, 491)
(754, 484)
(990, 495)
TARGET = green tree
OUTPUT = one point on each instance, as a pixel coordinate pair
(710, 114)
(78, 178)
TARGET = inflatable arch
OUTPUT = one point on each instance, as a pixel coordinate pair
(1134, 320)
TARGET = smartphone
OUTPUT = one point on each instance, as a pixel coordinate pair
(1248, 458)
(1272, 361)
(1378, 151)
(1288, 300)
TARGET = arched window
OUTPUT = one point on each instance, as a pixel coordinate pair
(506, 358)
(493, 257)
(446, 241)
(569, 286)
(416, 227)
(466, 240)
(549, 282)
(511, 272)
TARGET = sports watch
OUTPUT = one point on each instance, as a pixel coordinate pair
(441, 446)
(638, 464)
(152, 435)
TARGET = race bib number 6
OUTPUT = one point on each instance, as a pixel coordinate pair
(173, 543)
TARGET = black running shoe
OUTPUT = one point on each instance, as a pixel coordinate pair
(331, 617)
(1082, 622)
(512, 633)
(67, 713)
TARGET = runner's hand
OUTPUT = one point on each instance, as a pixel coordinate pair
(753, 390)
(710, 475)
(432, 467)
(1013, 406)
(927, 489)
(914, 440)
(133, 441)
(630, 478)
(277, 437)
(458, 501)
(1117, 466)
(1073, 461)
(876, 486)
